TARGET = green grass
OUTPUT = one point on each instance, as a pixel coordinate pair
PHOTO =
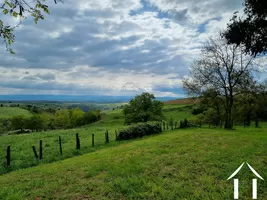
(21, 145)
(7, 112)
(181, 164)
(178, 112)
(187, 164)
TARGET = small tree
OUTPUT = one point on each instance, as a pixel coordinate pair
(143, 108)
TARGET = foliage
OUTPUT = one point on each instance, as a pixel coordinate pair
(143, 108)
(19, 122)
(139, 130)
(222, 71)
(250, 31)
(197, 110)
(21, 9)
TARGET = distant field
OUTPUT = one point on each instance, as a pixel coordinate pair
(6, 112)
(182, 101)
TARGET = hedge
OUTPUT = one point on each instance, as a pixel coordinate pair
(139, 130)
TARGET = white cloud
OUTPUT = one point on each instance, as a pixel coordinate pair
(111, 46)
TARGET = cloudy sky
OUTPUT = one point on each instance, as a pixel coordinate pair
(111, 47)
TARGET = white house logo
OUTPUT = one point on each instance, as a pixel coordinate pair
(254, 181)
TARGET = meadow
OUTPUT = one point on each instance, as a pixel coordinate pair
(191, 163)
(182, 164)
(7, 112)
(22, 155)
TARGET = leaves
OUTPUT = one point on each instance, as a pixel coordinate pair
(250, 31)
(21, 8)
(142, 109)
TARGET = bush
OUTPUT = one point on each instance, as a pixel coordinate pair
(140, 130)
(197, 110)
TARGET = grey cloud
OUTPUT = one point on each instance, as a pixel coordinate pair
(47, 76)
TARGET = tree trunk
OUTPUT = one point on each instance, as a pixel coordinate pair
(228, 115)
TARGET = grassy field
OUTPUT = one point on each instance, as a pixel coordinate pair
(181, 164)
(191, 163)
(21, 145)
(6, 112)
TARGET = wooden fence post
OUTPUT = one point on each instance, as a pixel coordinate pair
(41, 150)
(60, 146)
(8, 156)
(93, 140)
(116, 135)
(78, 145)
(106, 136)
(35, 152)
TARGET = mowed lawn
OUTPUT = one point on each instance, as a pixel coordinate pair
(7, 112)
(189, 163)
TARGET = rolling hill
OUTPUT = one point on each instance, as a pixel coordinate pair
(7, 112)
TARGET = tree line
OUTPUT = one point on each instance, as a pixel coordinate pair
(61, 119)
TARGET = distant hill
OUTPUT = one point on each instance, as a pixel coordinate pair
(183, 101)
(73, 98)
(6, 112)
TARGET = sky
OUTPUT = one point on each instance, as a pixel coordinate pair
(111, 47)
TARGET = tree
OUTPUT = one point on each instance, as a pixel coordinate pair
(224, 69)
(47, 120)
(35, 122)
(250, 31)
(20, 8)
(77, 117)
(19, 122)
(212, 100)
(62, 119)
(143, 108)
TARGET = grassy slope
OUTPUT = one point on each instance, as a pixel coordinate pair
(181, 164)
(6, 112)
(177, 112)
(21, 145)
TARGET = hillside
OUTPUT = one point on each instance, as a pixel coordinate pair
(184, 101)
(21, 145)
(183, 164)
(6, 112)
(191, 163)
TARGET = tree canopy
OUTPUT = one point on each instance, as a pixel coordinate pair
(222, 71)
(250, 30)
(21, 9)
(143, 108)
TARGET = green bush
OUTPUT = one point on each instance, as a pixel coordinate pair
(140, 130)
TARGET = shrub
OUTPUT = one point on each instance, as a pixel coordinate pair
(197, 110)
(140, 130)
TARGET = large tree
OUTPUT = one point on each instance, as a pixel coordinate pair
(224, 69)
(143, 108)
(21, 9)
(251, 30)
